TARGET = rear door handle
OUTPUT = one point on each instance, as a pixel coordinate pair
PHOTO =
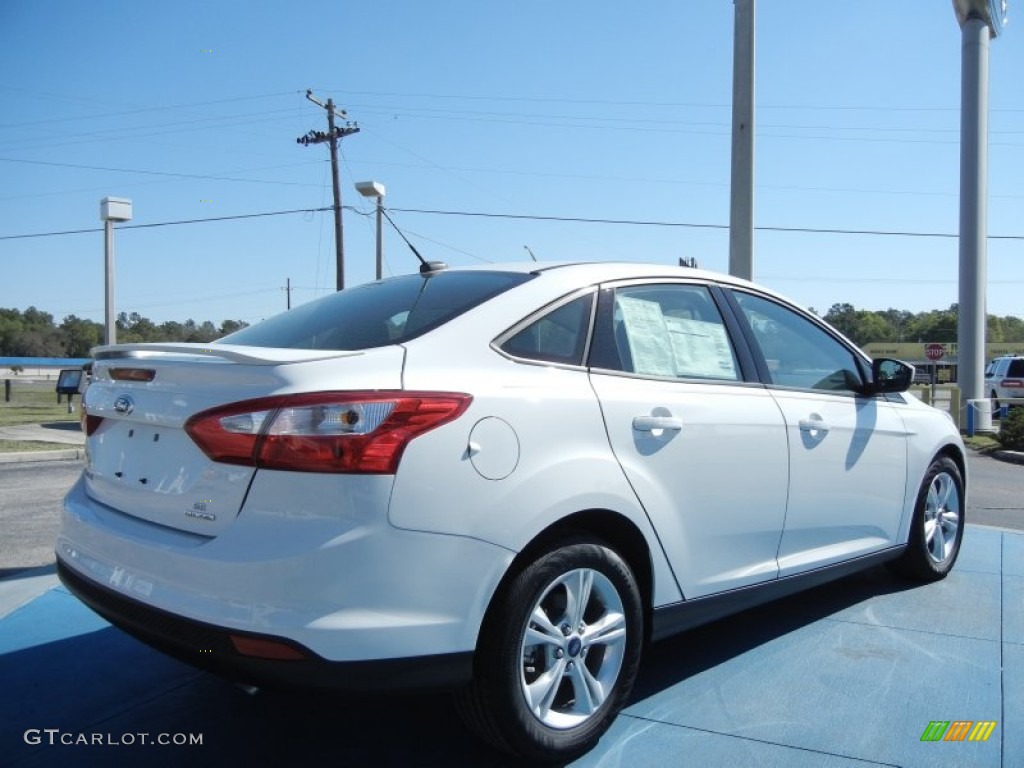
(652, 423)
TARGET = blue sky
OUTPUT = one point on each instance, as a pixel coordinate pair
(593, 110)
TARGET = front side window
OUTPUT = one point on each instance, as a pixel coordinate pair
(377, 314)
(670, 330)
(798, 352)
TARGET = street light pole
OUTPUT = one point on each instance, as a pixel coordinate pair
(109, 323)
(376, 190)
(111, 209)
(979, 21)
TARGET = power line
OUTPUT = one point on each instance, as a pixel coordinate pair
(600, 121)
(164, 173)
(121, 113)
(523, 216)
(688, 105)
(693, 225)
(167, 223)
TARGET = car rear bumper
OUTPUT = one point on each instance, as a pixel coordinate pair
(212, 648)
(324, 574)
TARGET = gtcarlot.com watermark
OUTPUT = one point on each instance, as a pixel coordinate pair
(55, 736)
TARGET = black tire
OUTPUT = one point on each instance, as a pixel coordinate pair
(995, 402)
(938, 525)
(568, 720)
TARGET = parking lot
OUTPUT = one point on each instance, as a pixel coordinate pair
(851, 673)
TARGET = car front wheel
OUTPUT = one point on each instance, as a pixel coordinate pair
(558, 654)
(938, 525)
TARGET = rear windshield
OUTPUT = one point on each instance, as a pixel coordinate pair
(377, 314)
(1016, 368)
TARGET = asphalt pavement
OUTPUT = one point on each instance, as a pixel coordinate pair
(864, 671)
(854, 673)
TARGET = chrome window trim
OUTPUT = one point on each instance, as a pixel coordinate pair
(553, 306)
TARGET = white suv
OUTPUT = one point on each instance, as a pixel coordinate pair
(1004, 379)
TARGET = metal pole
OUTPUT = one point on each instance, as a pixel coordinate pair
(110, 327)
(741, 212)
(973, 213)
(380, 236)
(339, 246)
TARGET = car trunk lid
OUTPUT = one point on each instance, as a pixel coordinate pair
(139, 458)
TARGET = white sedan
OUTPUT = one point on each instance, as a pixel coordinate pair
(504, 480)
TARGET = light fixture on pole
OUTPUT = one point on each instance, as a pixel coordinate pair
(980, 20)
(111, 209)
(377, 190)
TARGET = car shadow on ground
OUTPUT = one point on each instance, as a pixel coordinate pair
(682, 656)
(101, 681)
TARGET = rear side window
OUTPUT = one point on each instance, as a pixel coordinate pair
(557, 337)
(378, 314)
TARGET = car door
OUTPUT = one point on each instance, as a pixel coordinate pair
(848, 453)
(704, 449)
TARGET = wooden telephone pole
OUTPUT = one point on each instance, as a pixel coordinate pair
(333, 135)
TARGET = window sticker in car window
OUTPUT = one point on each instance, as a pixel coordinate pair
(648, 337)
(668, 345)
(700, 349)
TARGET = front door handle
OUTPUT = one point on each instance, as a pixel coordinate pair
(813, 425)
(653, 423)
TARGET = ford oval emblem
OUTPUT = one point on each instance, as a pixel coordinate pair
(124, 404)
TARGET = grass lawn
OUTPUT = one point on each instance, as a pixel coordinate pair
(34, 402)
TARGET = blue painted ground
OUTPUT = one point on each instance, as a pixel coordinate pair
(849, 674)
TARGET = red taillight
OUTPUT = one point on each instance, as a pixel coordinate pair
(323, 432)
(1013, 383)
(90, 423)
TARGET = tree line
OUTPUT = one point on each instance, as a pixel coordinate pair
(33, 333)
(864, 326)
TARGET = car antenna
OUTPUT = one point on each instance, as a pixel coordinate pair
(426, 267)
(530, 252)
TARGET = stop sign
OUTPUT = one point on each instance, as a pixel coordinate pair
(934, 351)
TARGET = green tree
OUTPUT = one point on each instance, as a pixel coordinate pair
(39, 342)
(230, 326)
(80, 335)
(843, 317)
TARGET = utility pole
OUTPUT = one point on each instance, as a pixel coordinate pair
(288, 291)
(333, 135)
(741, 210)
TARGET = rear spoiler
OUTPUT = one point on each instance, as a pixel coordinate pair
(232, 353)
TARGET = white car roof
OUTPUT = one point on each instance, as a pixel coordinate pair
(597, 271)
(582, 273)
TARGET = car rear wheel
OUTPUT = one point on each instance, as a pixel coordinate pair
(994, 397)
(558, 654)
(938, 525)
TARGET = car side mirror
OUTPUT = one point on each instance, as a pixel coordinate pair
(890, 376)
